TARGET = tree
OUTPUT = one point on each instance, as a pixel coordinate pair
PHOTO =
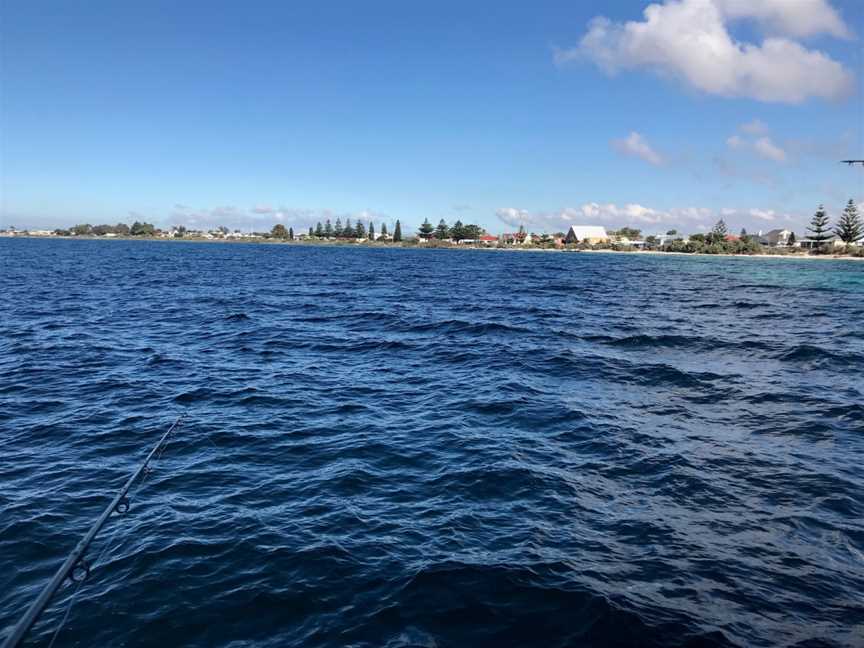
(142, 229)
(82, 230)
(442, 231)
(397, 232)
(337, 230)
(319, 230)
(348, 230)
(290, 233)
(849, 228)
(121, 229)
(819, 226)
(629, 233)
(792, 239)
(473, 232)
(744, 235)
(457, 232)
(718, 233)
(279, 231)
(360, 230)
(383, 229)
(328, 229)
(311, 231)
(371, 231)
(425, 230)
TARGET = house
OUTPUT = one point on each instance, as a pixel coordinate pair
(636, 244)
(488, 240)
(810, 244)
(592, 234)
(667, 239)
(475, 241)
(514, 238)
(775, 238)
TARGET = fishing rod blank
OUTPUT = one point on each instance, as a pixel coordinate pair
(76, 566)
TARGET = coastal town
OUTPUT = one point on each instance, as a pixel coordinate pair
(821, 236)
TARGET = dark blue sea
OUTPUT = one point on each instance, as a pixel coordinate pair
(389, 447)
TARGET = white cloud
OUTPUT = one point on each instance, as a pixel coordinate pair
(762, 146)
(736, 142)
(755, 127)
(365, 215)
(797, 18)
(513, 216)
(763, 214)
(688, 40)
(686, 219)
(637, 146)
(759, 217)
(602, 213)
(766, 148)
(261, 217)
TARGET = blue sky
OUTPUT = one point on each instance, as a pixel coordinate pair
(248, 114)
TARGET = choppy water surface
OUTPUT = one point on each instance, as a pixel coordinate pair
(423, 448)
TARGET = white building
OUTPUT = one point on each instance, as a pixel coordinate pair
(666, 239)
(810, 244)
(775, 238)
(586, 234)
(637, 244)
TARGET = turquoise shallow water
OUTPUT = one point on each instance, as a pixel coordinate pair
(434, 448)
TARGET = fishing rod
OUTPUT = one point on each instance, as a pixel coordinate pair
(76, 566)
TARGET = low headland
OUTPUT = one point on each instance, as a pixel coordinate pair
(843, 240)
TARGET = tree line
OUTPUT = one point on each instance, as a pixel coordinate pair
(849, 228)
(457, 232)
(120, 229)
(337, 230)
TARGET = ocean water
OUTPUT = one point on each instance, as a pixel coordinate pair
(433, 448)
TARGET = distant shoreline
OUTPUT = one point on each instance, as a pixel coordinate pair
(395, 246)
(794, 257)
